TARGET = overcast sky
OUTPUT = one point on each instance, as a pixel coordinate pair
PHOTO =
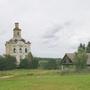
(54, 27)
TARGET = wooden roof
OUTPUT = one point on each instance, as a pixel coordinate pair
(72, 55)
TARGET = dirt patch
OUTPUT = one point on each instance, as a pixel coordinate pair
(4, 77)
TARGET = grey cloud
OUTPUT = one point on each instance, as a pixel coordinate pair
(68, 23)
(55, 29)
(51, 40)
(51, 33)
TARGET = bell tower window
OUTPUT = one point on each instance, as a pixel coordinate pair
(14, 50)
(25, 50)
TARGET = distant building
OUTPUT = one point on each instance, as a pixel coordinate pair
(69, 58)
(17, 46)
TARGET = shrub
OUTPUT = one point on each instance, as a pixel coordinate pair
(7, 62)
(29, 64)
(34, 63)
(81, 60)
(25, 64)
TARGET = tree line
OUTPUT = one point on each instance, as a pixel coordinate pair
(8, 62)
(86, 48)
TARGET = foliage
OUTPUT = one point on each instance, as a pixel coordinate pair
(25, 63)
(34, 63)
(7, 62)
(80, 59)
(29, 62)
(50, 64)
(81, 46)
(88, 48)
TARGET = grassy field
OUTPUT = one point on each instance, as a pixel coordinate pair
(43, 80)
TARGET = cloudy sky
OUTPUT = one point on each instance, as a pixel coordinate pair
(54, 27)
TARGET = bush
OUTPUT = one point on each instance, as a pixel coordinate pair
(25, 64)
(29, 64)
(7, 62)
(34, 63)
(80, 60)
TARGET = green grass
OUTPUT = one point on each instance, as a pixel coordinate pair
(43, 80)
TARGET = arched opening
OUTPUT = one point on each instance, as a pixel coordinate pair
(14, 50)
(25, 50)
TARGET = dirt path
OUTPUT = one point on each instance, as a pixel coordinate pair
(4, 77)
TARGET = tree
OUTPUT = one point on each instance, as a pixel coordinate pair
(29, 62)
(10, 61)
(34, 62)
(88, 48)
(80, 59)
(2, 63)
(7, 62)
(25, 64)
(81, 46)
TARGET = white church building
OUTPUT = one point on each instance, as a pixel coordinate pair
(17, 46)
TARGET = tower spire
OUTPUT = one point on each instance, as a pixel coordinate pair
(16, 25)
(16, 31)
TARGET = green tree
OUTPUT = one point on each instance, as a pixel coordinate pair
(2, 63)
(10, 62)
(81, 46)
(25, 64)
(29, 62)
(7, 62)
(34, 63)
(80, 59)
(88, 48)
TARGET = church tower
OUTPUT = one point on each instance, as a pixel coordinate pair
(16, 32)
(17, 46)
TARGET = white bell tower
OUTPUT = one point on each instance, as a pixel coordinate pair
(17, 31)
